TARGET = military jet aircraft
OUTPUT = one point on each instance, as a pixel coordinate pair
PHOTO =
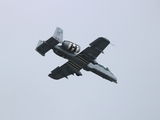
(76, 61)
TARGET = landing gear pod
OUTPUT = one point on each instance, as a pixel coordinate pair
(71, 46)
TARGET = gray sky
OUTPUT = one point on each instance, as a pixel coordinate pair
(27, 93)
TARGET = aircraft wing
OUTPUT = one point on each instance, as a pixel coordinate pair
(45, 46)
(95, 48)
(91, 53)
(65, 70)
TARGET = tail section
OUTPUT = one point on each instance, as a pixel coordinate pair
(45, 46)
(58, 35)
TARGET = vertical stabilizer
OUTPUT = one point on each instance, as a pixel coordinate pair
(58, 35)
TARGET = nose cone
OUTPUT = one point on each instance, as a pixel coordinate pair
(112, 78)
(115, 80)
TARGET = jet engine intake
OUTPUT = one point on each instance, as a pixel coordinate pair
(71, 46)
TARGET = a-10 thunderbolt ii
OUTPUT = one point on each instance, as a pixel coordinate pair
(68, 50)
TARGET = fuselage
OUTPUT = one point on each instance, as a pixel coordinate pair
(71, 56)
(79, 61)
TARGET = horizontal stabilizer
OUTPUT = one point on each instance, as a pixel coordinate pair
(45, 46)
(40, 42)
(42, 48)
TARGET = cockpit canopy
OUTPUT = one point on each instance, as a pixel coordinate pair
(71, 46)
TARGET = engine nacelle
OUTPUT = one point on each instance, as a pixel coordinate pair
(71, 46)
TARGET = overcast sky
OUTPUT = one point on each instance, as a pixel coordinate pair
(27, 93)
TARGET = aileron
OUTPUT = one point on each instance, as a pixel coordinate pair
(96, 47)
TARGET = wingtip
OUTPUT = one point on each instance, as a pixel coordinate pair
(112, 44)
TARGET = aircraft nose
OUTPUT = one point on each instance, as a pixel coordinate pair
(114, 79)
